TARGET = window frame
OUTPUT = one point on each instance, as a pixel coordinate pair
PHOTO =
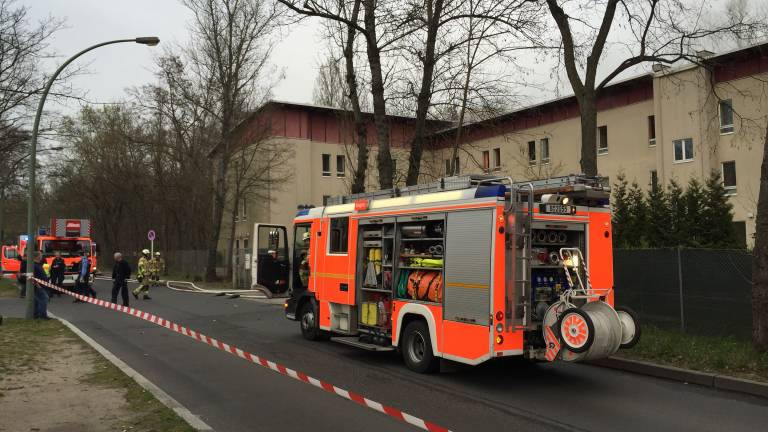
(730, 190)
(602, 148)
(343, 160)
(486, 160)
(532, 152)
(243, 211)
(685, 158)
(542, 146)
(725, 129)
(652, 129)
(654, 178)
(325, 157)
(331, 229)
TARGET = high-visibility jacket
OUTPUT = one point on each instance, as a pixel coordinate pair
(143, 268)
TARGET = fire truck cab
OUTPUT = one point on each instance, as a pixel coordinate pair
(467, 268)
(70, 238)
(9, 259)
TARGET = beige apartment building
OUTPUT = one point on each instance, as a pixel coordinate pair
(673, 123)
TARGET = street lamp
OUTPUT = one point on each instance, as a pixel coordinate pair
(149, 41)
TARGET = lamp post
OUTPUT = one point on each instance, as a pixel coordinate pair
(31, 230)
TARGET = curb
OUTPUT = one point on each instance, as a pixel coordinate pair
(194, 421)
(720, 382)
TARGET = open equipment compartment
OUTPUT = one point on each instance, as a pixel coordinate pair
(420, 258)
(374, 277)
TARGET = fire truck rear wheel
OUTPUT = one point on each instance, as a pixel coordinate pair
(417, 348)
(309, 323)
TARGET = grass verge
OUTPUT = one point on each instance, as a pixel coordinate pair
(721, 355)
(8, 288)
(26, 343)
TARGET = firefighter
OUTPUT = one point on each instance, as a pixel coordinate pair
(157, 268)
(143, 275)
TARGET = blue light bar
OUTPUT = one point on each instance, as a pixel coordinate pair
(302, 212)
(490, 191)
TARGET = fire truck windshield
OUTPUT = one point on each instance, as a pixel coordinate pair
(67, 248)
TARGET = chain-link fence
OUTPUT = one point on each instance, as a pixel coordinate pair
(702, 291)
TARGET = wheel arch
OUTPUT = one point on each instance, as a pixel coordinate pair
(414, 311)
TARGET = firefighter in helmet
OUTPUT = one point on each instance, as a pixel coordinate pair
(143, 275)
(156, 268)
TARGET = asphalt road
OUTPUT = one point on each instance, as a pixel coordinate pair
(232, 395)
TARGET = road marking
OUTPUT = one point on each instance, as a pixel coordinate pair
(196, 422)
(252, 358)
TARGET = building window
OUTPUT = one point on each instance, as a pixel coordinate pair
(651, 131)
(245, 244)
(339, 235)
(326, 165)
(654, 178)
(729, 176)
(683, 149)
(325, 200)
(544, 148)
(726, 116)
(486, 160)
(497, 158)
(532, 152)
(237, 244)
(340, 166)
(602, 140)
(243, 210)
(448, 167)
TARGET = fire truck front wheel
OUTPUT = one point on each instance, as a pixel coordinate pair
(417, 348)
(310, 328)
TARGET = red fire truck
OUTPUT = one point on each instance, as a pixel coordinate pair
(468, 269)
(69, 237)
(9, 260)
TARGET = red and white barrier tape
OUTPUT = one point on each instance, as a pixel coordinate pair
(252, 358)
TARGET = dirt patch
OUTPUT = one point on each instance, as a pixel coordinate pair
(49, 395)
(51, 381)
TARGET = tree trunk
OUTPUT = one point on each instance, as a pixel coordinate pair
(231, 240)
(760, 261)
(588, 110)
(219, 197)
(384, 158)
(361, 133)
(425, 93)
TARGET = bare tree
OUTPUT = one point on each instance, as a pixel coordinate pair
(344, 34)
(231, 42)
(383, 24)
(659, 31)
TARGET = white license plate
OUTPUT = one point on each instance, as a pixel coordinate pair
(558, 209)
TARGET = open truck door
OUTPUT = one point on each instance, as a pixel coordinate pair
(271, 264)
(9, 260)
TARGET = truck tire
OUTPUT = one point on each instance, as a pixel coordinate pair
(310, 326)
(416, 348)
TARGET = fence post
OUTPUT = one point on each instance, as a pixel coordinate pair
(680, 287)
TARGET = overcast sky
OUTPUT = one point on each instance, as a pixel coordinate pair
(115, 68)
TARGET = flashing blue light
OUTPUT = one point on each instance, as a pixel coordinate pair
(24, 237)
(490, 191)
(302, 212)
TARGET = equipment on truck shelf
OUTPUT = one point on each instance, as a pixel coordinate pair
(468, 268)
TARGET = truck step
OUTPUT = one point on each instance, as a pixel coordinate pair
(355, 342)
